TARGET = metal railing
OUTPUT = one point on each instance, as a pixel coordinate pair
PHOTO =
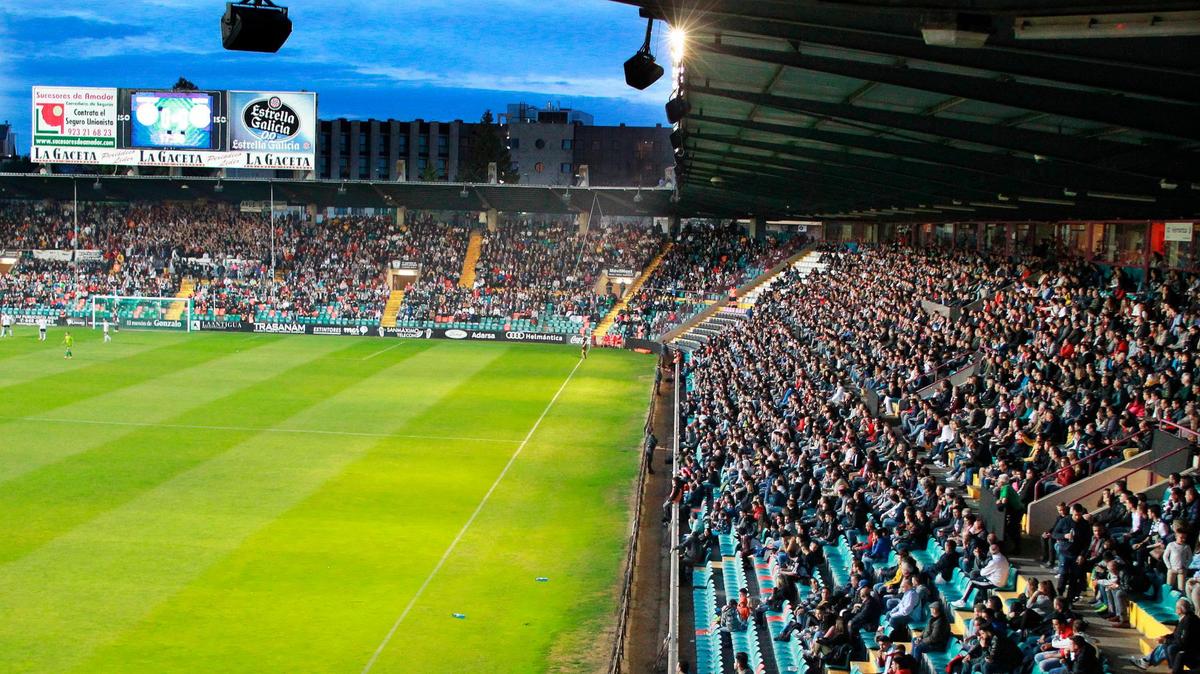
(1090, 459)
(1133, 471)
(618, 649)
(672, 643)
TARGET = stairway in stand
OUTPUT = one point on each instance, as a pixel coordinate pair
(392, 309)
(728, 317)
(187, 287)
(607, 322)
(474, 248)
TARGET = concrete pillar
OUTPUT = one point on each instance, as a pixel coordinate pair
(584, 220)
(493, 219)
(373, 150)
(335, 149)
(433, 145)
(676, 226)
(452, 159)
(401, 216)
(414, 135)
(355, 133)
(758, 228)
(394, 132)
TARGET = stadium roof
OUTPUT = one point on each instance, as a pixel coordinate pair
(839, 109)
(345, 194)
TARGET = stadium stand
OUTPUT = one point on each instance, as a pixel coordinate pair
(1044, 363)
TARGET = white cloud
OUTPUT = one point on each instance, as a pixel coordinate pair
(148, 45)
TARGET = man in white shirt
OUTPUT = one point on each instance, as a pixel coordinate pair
(6, 322)
(42, 328)
(994, 574)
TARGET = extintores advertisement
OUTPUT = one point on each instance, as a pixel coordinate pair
(149, 127)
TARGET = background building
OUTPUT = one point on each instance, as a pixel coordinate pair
(369, 149)
(8, 141)
(624, 155)
(546, 145)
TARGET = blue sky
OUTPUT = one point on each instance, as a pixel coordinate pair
(432, 59)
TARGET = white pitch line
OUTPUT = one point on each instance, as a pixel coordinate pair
(383, 351)
(253, 429)
(470, 521)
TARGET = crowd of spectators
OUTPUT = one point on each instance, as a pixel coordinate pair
(542, 276)
(781, 453)
(706, 261)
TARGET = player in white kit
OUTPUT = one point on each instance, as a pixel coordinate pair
(107, 337)
(6, 322)
(42, 329)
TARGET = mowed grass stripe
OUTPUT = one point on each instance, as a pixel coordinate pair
(59, 386)
(57, 497)
(89, 585)
(337, 563)
(32, 443)
(561, 512)
(24, 357)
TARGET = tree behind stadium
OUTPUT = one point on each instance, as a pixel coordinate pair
(487, 145)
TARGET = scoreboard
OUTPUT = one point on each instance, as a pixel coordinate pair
(156, 127)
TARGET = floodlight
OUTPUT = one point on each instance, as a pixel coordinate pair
(641, 70)
(255, 25)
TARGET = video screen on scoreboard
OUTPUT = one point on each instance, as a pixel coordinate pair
(172, 119)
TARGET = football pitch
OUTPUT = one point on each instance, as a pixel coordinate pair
(261, 503)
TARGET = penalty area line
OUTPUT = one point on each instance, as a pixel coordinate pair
(471, 520)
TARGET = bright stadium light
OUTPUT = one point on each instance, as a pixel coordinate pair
(677, 39)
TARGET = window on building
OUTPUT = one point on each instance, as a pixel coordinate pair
(381, 167)
(567, 143)
(441, 168)
(565, 167)
(364, 169)
(402, 144)
(343, 167)
(443, 145)
(323, 166)
(344, 141)
(362, 143)
(325, 146)
(514, 143)
(422, 162)
(516, 167)
(423, 145)
(644, 150)
(595, 146)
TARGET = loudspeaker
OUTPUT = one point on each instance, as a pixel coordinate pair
(677, 109)
(641, 71)
(255, 28)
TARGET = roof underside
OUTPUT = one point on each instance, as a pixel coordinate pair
(839, 109)
(345, 194)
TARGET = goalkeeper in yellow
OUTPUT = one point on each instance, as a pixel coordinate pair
(68, 342)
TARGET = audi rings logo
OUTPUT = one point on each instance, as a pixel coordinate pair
(456, 334)
(515, 336)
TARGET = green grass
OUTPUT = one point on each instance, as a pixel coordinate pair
(262, 503)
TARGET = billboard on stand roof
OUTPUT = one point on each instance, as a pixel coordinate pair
(147, 127)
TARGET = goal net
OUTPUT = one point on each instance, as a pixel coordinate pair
(151, 313)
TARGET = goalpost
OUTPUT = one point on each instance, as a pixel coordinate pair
(152, 313)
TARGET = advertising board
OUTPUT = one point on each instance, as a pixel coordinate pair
(148, 127)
